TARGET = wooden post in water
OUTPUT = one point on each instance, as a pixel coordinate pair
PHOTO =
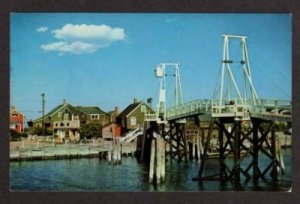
(157, 159)
(119, 151)
(152, 161)
(194, 147)
(109, 156)
(280, 156)
(163, 160)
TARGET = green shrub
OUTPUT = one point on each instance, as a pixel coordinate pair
(14, 135)
(90, 130)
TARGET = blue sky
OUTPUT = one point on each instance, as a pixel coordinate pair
(106, 60)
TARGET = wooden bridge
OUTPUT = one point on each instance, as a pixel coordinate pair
(246, 125)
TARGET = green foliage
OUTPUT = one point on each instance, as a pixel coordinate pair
(15, 136)
(39, 131)
(281, 127)
(90, 130)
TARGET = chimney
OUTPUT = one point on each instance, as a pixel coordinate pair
(149, 101)
(135, 100)
(117, 111)
(64, 101)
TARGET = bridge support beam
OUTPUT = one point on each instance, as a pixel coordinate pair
(264, 141)
(241, 142)
(177, 141)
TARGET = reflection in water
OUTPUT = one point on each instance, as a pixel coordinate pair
(98, 175)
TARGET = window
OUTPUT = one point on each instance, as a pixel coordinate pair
(66, 116)
(76, 117)
(94, 116)
(67, 124)
(132, 121)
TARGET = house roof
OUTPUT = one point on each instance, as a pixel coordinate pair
(90, 110)
(54, 110)
(72, 109)
(131, 108)
(109, 124)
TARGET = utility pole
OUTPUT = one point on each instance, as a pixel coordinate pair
(43, 113)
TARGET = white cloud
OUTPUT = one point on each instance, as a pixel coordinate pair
(42, 29)
(83, 38)
(89, 32)
(76, 47)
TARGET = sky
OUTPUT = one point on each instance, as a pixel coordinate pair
(108, 59)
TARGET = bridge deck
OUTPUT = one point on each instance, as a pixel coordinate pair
(269, 109)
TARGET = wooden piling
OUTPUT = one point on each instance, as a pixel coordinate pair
(279, 156)
(109, 156)
(194, 148)
(158, 159)
(163, 159)
(152, 161)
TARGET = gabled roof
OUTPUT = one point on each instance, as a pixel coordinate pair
(73, 109)
(49, 114)
(109, 124)
(56, 109)
(131, 108)
(90, 110)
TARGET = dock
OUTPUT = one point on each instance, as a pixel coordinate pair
(23, 151)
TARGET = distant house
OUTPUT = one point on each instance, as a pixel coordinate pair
(94, 114)
(111, 130)
(133, 116)
(114, 114)
(66, 120)
(16, 120)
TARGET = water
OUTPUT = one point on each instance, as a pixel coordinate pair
(97, 175)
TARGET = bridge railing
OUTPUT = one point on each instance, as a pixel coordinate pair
(228, 108)
(192, 107)
(276, 107)
(231, 108)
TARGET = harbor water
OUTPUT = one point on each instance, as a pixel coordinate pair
(94, 174)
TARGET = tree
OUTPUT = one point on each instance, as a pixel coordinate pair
(90, 130)
(39, 131)
(15, 135)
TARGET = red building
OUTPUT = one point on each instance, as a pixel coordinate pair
(16, 120)
(111, 130)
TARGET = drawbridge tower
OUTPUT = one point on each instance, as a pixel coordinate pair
(160, 131)
(240, 133)
(174, 129)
